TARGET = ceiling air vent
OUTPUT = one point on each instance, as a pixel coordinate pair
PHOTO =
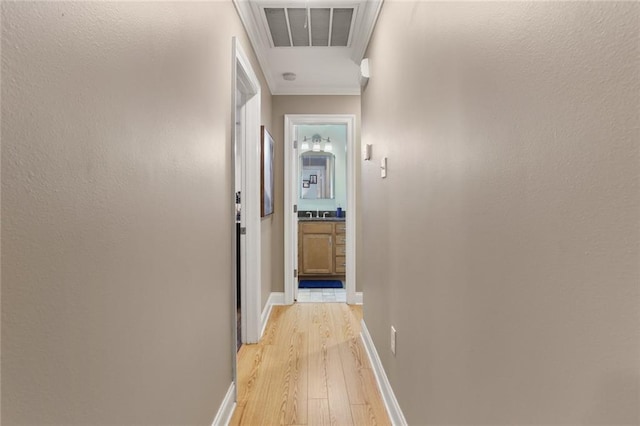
(316, 26)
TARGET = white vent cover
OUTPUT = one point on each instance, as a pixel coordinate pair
(316, 26)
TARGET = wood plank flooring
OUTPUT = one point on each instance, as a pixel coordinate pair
(310, 368)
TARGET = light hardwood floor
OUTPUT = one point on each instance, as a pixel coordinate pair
(310, 368)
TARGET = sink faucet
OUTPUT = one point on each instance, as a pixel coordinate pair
(310, 214)
(324, 215)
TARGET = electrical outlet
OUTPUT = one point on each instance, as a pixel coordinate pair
(393, 340)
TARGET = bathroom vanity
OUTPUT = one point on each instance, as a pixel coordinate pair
(321, 247)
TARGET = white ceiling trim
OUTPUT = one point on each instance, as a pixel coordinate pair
(318, 91)
(243, 7)
(365, 16)
(371, 12)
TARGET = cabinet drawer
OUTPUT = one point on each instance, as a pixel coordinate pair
(341, 250)
(341, 228)
(341, 239)
(341, 264)
(316, 228)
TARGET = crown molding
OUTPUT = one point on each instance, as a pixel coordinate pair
(243, 7)
(368, 23)
(313, 91)
(249, 12)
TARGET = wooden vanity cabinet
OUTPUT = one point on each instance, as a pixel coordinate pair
(321, 248)
(315, 251)
(340, 253)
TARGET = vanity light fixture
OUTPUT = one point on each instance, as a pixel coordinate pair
(328, 146)
(316, 140)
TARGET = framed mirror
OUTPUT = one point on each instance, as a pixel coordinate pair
(317, 174)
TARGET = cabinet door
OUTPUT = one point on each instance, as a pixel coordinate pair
(317, 254)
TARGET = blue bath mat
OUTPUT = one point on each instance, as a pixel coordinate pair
(320, 284)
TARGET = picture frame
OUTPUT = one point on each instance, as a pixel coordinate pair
(313, 179)
(305, 184)
(266, 173)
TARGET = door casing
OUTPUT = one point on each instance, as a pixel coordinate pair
(291, 199)
(246, 143)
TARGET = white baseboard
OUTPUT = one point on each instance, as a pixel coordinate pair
(228, 406)
(389, 398)
(358, 297)
(275, 298)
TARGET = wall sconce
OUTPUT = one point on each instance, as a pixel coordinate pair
(366, 152)
(364, 72)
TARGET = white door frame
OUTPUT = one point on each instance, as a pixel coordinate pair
(245, 79)
(291, 198)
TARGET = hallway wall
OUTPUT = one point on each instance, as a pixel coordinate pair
(504, 243)
(267, 223)
(301, 104)
(117, 214)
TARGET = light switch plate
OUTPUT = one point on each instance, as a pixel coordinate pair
(383, 167)
(393, 340)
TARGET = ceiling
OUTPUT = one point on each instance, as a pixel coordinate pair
(322, 42)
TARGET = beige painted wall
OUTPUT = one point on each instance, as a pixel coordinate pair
(266, 242)
(298, 104)
(266, 225)
(117, 211)
(504, 243)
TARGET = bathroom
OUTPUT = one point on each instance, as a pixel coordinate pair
(322, 212)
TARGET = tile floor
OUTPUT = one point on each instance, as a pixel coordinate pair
(315, 295)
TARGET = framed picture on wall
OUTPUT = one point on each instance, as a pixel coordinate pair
(266, 173)
(313, 179)
(305, 184)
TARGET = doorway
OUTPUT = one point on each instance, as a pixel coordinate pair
(246, 190)
(239, 123)
(320, 155)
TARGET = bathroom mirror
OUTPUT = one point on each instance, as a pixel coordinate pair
(317, 170)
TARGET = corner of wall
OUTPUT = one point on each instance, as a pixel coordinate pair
(389, 398)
